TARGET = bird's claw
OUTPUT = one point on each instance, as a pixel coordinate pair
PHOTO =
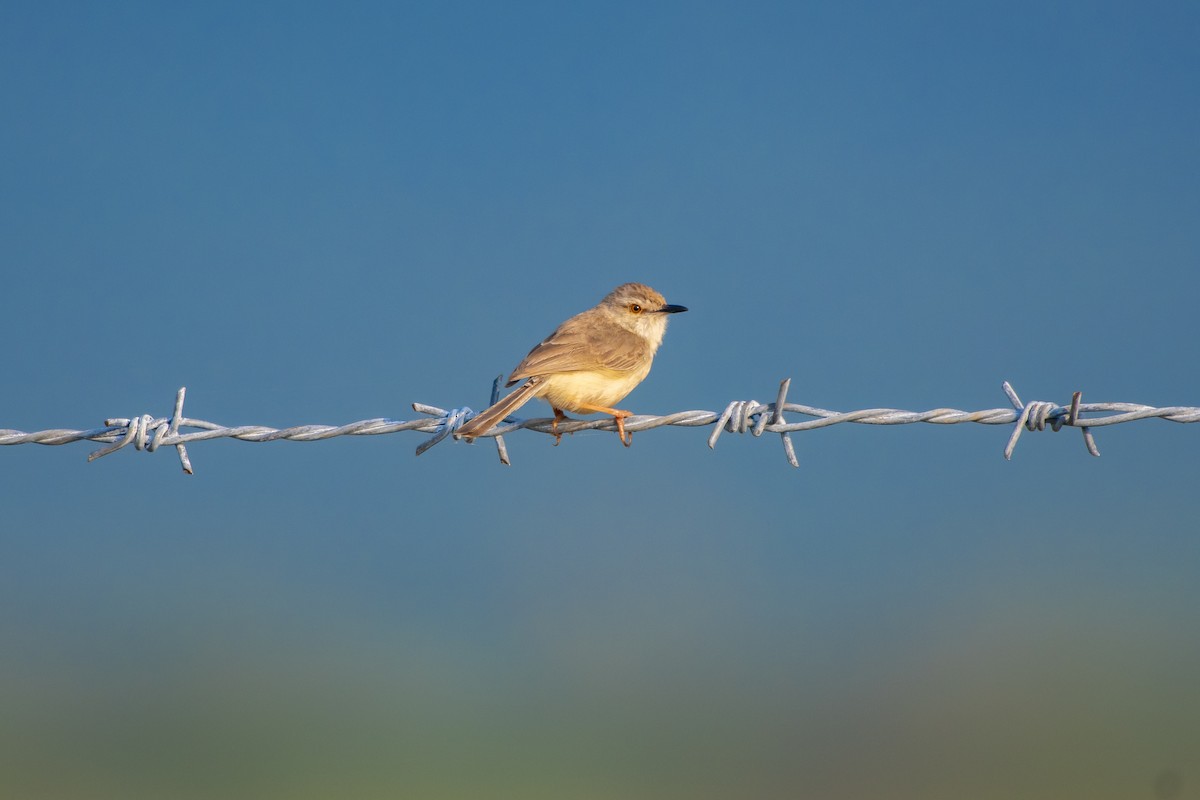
(558, 415)
(626, 438)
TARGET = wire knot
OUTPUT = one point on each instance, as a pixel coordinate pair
(739, 415)
(138, 432)
(1038, 413)
(1035, 415)
(736, 418)
(449, 422)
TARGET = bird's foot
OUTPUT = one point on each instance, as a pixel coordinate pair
(619, 416)
(558, 415)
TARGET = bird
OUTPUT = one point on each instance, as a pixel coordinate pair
(589, 363)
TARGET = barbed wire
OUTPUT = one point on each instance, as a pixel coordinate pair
(149, 433)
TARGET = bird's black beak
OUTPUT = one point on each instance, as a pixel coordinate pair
(672, 309)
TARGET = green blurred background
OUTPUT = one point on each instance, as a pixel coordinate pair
(310, 213)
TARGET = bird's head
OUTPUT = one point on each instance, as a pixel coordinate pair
(640, 309)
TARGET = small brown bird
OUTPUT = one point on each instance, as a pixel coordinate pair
(590, 362)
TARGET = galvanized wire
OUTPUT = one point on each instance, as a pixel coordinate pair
(740, 416)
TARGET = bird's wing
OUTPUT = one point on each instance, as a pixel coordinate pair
(575, 347)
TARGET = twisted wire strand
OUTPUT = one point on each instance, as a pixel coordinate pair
(740, 416)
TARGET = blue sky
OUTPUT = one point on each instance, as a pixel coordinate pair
(319, 214)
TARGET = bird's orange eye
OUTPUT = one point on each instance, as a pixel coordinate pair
(635, 308)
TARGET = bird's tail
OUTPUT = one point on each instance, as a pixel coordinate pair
(485, 420)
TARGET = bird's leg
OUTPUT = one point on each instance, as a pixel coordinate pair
(558, 415)
(618, 415)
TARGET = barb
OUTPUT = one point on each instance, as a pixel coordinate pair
(740, 416)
